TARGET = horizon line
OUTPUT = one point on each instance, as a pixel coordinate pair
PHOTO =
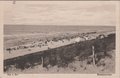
(54, 25)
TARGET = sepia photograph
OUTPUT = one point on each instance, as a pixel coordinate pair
(53, 37)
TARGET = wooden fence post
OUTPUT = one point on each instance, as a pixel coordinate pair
(93, 55)
(42, 61)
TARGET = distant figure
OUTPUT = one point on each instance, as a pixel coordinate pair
(9, 49)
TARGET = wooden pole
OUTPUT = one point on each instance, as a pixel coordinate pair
(42, 61)
(93, 54)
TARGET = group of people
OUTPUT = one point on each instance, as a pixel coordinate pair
(45, 42)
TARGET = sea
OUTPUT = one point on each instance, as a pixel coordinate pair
(23, 29)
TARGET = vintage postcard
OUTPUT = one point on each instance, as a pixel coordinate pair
(49, 39)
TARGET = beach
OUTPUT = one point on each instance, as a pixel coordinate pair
(25, 43)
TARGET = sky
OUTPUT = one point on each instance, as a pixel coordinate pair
(60, 13)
